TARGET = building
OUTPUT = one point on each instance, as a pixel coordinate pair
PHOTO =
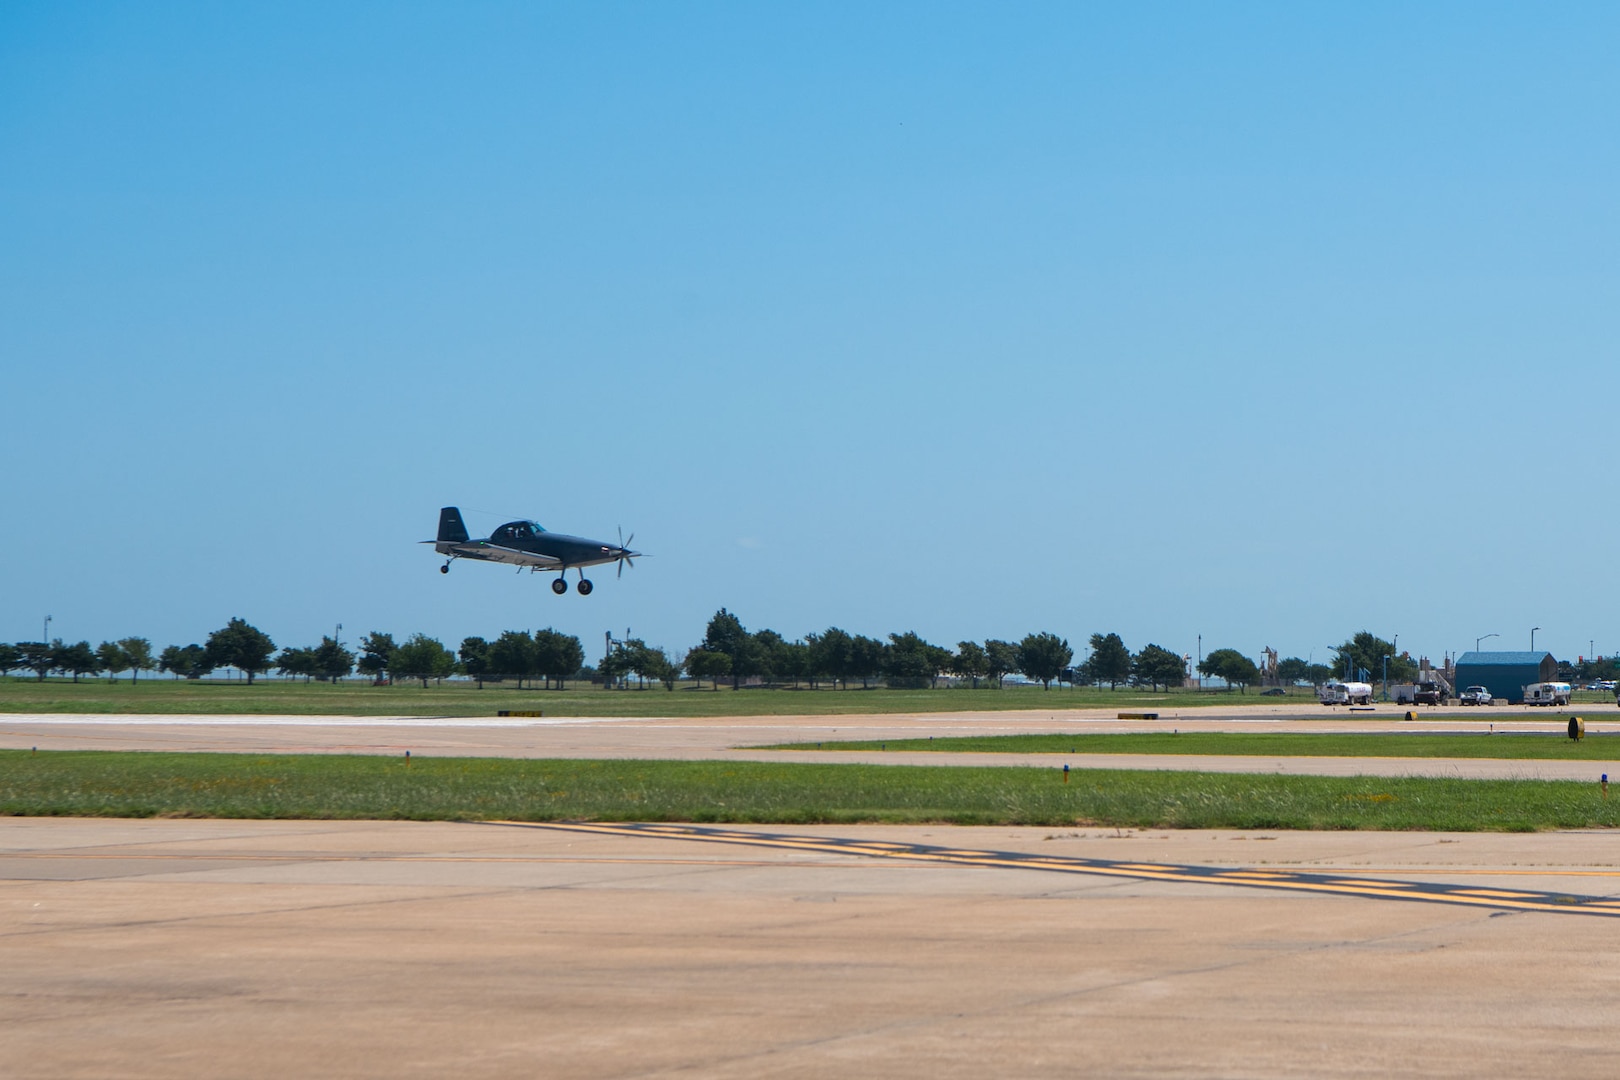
(1505, 674)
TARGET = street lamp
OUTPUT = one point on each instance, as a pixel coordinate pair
(47, 631)
(1386, 676)
(1486, 637)
(1533, 630)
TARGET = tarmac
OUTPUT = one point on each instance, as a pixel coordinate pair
(382, 949)
(738, 738)
(204, 948)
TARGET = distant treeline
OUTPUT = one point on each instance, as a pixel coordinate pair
(728, 651)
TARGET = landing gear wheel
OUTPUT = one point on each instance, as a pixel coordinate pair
(445, 569)
(559, 586)
(584, 587)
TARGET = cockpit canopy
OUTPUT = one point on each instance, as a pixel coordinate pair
(517, 530)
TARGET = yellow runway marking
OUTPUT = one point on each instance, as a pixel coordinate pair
(1237, 877)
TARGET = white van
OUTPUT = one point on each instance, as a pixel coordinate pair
(1547, 693)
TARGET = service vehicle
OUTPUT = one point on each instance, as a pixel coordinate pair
(1474, 695)
(1430, 693)
(1339, 693)
(1547, 693)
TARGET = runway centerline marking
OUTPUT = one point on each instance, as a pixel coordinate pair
(1231, 877)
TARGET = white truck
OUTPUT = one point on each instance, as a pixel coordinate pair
(1547, 693)
(1474, 695)
(1339, 693)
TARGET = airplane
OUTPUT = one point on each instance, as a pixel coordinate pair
(524, 543)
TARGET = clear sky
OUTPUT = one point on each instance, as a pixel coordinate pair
(1262, 322)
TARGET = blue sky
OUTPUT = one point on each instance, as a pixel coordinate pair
(1265, 322)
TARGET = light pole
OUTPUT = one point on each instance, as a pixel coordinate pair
(1200, 661)
(1386, 676)
(1487, 637)
(47, 631)
(337, 636)
(1533, 630)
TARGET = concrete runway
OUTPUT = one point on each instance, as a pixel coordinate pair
(242, 949)
(247, 949)
(731, 737)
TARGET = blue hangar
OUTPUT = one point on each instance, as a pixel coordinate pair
(1505, 674)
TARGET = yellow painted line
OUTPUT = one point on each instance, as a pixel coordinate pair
(1256, 874)
(1303, 882)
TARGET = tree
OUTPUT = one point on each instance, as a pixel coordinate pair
(9, 658)
(376, 650)
(866, 658)
(1317, 674)
(831, 655)
(1158, 667)
(422, 658)
(792, 661)
(1363, 657)
(242, 646)
(296, 662)
(557, 656)
(1043, 656)
(703, 664)
(76, 659)
(137, 656)
(725, 634)
(658, 665)
(330, 660)
(616, 666)
(38, 657)
(109, 658)
(970, 661)
(187, 662)
(1003, 657)
(1291, 671)
(512, 656)
(1232, 666)
(1110, 660)
(912, 662)
(767, 646)
(474, 654)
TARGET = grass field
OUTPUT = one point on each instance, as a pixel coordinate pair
(359, 698)
(1552, 745)
(244, 786)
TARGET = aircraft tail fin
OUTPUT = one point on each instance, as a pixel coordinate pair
(451, 529)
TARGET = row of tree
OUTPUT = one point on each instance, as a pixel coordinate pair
(728, 651)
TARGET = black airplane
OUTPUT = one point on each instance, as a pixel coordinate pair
(524, 543)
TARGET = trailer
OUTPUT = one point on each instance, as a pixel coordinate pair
(1547, 693)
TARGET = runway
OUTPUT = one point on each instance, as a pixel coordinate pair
(371, 949)
(735, 738)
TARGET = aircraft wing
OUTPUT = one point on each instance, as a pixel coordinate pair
(497, 553)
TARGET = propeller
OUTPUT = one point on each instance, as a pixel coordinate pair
(625, 554)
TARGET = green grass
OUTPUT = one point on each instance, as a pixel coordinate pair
(358, 698)
(1552, 745)
(244, 786)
